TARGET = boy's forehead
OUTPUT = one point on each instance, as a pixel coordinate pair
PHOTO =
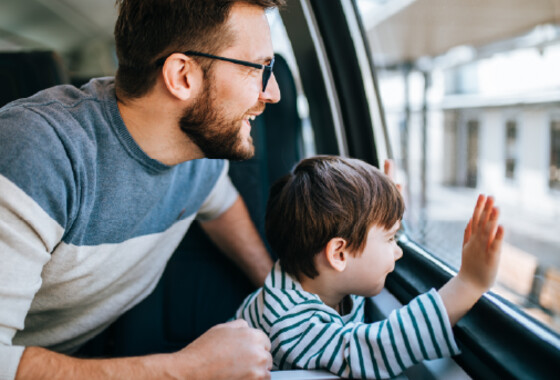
(383, 230)
(394, 228)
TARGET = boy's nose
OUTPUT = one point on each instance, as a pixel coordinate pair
(398, 253)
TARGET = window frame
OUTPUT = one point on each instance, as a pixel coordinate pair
(496, 339)
(513, 154)
(553, 185)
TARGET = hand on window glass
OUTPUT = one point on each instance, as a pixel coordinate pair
(389, 169)
(482, 245)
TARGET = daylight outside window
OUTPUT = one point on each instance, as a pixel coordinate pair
(471, 94)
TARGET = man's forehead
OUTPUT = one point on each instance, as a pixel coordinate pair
(250, 31)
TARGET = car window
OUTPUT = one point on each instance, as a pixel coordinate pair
(283, 46)
(471, 96)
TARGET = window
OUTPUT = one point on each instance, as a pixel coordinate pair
(447, 84)
(511, 148)
(554, 180)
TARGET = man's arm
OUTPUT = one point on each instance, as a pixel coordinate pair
(482, 246)
(236, 235)
(227, 351)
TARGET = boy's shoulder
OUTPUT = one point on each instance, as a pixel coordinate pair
(282, 301)
(285, 292)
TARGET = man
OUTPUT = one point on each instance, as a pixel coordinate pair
(98, 186)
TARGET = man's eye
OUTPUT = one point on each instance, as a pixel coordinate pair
(254, 71)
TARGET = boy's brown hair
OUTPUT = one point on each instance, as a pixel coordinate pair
(326, 197)
(148, 30)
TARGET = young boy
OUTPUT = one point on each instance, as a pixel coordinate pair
(332, 222)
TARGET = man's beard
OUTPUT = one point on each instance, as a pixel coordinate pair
(215, 134)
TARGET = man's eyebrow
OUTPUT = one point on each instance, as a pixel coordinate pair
(264, 59)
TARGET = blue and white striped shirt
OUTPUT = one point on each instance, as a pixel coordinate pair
(87, 219)
(307, 334)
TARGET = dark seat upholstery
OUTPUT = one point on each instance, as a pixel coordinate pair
(24, 73)
(201, 287)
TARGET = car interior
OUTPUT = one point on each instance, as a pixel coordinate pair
(331, 104)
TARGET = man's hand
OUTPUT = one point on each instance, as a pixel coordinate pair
(228, 351)
(482, 245)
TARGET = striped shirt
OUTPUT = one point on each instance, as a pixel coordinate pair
(307, 334)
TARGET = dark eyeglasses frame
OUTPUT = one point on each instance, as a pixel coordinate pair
(267, 69)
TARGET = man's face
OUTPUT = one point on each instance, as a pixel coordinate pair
(218, 121)
(217, 134)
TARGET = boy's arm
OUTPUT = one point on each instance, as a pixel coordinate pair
(479, 265)
(312, 336)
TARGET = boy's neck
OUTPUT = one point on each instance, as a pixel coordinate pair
(322, 285)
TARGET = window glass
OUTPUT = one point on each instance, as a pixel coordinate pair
(511, 148)
(282, 46)
(555, 154)
(471, 94)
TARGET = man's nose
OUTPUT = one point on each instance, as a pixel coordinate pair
(272, 92)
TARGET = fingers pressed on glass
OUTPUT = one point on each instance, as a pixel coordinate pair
(477, 212)
(486, 212)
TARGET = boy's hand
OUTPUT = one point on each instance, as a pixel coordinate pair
(482, 245)
(389, 170)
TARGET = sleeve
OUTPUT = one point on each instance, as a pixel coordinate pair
(312, 339)
(27, 236)
(220, 199)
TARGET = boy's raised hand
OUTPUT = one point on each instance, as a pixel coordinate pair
(482, 245)
(389, 170)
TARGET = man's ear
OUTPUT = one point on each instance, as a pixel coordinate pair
(336, 254)
(182, 76)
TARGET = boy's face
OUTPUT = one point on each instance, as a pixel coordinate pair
(367, 272)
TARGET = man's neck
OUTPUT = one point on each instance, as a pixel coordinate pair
(153, 124)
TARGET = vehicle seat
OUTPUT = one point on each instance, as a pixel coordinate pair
(24, 73)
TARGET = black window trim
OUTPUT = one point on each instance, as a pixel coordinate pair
(497, 340)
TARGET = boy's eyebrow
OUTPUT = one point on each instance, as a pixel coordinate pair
(395, 228)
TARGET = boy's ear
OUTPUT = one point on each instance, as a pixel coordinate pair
(336, 254)
(182, 76)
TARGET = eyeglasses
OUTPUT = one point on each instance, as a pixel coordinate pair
(267, 69)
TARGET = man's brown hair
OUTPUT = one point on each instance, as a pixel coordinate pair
(326, 197)
(148, 30)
